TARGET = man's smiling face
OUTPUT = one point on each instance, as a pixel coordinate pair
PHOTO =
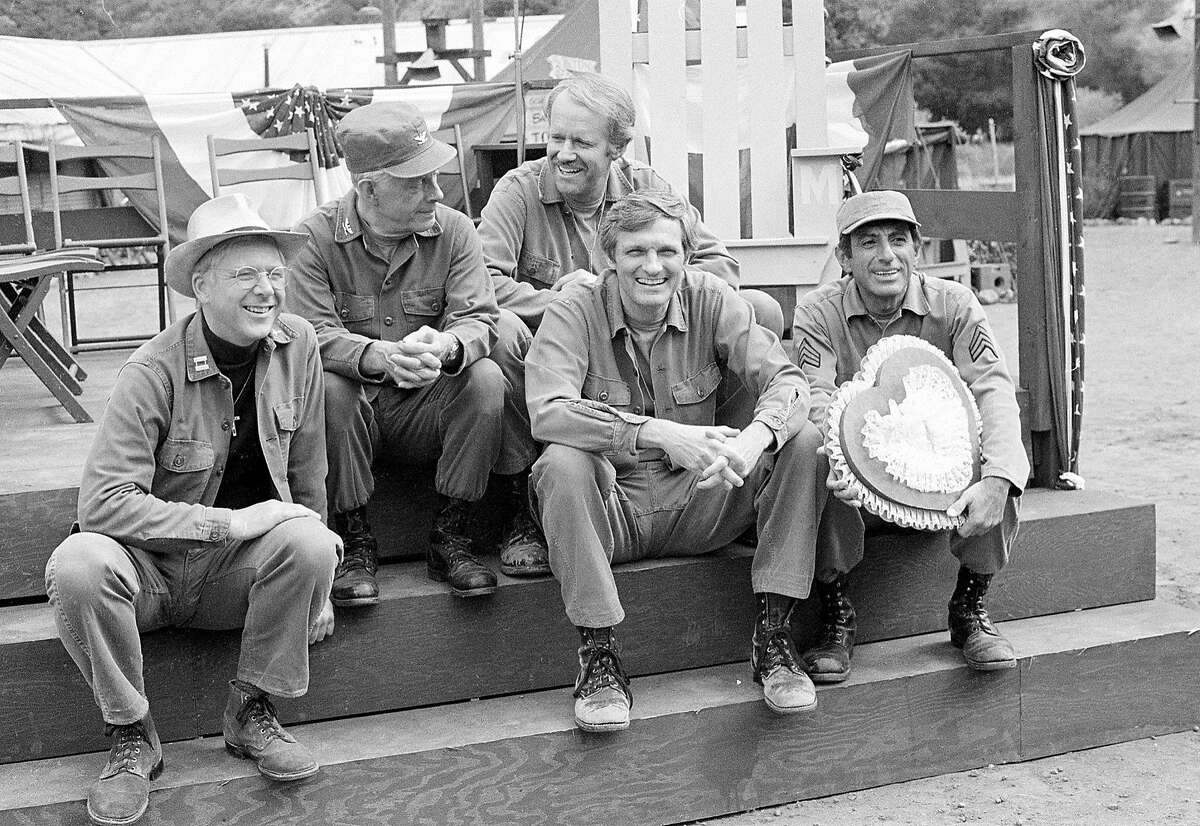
(649, 264)
(882, 257)
(239, 315)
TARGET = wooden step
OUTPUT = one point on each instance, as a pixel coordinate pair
(701, 744)
(422, 646)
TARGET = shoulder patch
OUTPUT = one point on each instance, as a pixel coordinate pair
(807, 355)
(981, 342)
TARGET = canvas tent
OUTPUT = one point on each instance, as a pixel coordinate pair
(1151, 135)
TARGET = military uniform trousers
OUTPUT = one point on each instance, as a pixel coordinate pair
(470, 424)
(595, 515)
(273, 587)
(844, 529)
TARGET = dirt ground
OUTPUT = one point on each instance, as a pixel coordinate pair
(1141, 417)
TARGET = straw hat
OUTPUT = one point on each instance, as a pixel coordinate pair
(223, 218)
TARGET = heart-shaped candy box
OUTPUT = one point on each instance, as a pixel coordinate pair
(904, 434)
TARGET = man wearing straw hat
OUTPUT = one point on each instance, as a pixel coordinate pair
(420, 365)
(201, 506)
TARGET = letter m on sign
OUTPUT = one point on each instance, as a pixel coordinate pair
(819, 184)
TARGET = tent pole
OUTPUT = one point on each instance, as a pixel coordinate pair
(1195, 126)
(519, 82)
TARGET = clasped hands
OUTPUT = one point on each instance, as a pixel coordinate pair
(720, 456)
(413, 361)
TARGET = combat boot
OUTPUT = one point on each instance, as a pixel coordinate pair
(786, 688)
(523, 549)
(252, 732)
(829, 660)
(449, 558)
(602, 695)
(354, 582)
(122, 792)
(972, 630)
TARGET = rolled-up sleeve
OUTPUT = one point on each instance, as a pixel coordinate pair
(555, 370)
(114, 492)
(757, 357)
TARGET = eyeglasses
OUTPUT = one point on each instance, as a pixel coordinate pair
(248, 277)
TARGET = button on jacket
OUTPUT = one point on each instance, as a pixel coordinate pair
(530, 239)
(354, 294)
(833, 331)
(157, 461)
(581, 381)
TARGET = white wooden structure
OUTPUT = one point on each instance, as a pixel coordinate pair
(743, 56)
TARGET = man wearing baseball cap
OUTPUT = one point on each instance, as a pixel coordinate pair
(419, 362)
(201, 506)
(883, 294)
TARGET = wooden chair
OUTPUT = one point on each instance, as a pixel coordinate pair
(110, 227)
(297, 142)
(16, 186)
(453, 136)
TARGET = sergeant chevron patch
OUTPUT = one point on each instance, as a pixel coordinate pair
(807, 355)
(981, 342)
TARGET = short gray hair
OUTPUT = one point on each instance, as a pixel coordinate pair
(638, 210)
(603, 96)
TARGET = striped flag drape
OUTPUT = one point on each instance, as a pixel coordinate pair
(1058, 57)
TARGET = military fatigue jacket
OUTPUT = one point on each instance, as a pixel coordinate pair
(530, 238)
(581, 375)
(833, 331)
(157, 461)
(353, 294)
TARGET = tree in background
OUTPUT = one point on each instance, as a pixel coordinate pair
(1123, 56)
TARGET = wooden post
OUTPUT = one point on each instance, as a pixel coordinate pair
(1195, 126)
(477, 40)
(388, 9)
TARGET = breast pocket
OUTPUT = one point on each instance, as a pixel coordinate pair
(182, 469)
(698, 387)
(423, 306)
(612, 392)
(356, 312)
(287, 422)
(538, 270)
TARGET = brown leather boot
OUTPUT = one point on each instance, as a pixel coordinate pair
(602, 695)
(523, 549)
(829, 660)
(122, 793)
(786, 688)
(450, 559)
(354, 582)
(971, 628)
(252, 732)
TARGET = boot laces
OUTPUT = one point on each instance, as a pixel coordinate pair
(261, 712)
(128, 748)
(971, 607)
(600, 668)
(456, 548)
(778, 650)
(359, 552)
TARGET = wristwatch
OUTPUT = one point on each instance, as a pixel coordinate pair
(454, 354)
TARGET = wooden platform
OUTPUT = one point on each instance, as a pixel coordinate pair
(701, 743)
(422, 645)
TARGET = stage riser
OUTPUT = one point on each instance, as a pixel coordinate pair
(422, 646)
(726, 753)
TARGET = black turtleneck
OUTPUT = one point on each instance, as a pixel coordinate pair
(246, 481)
